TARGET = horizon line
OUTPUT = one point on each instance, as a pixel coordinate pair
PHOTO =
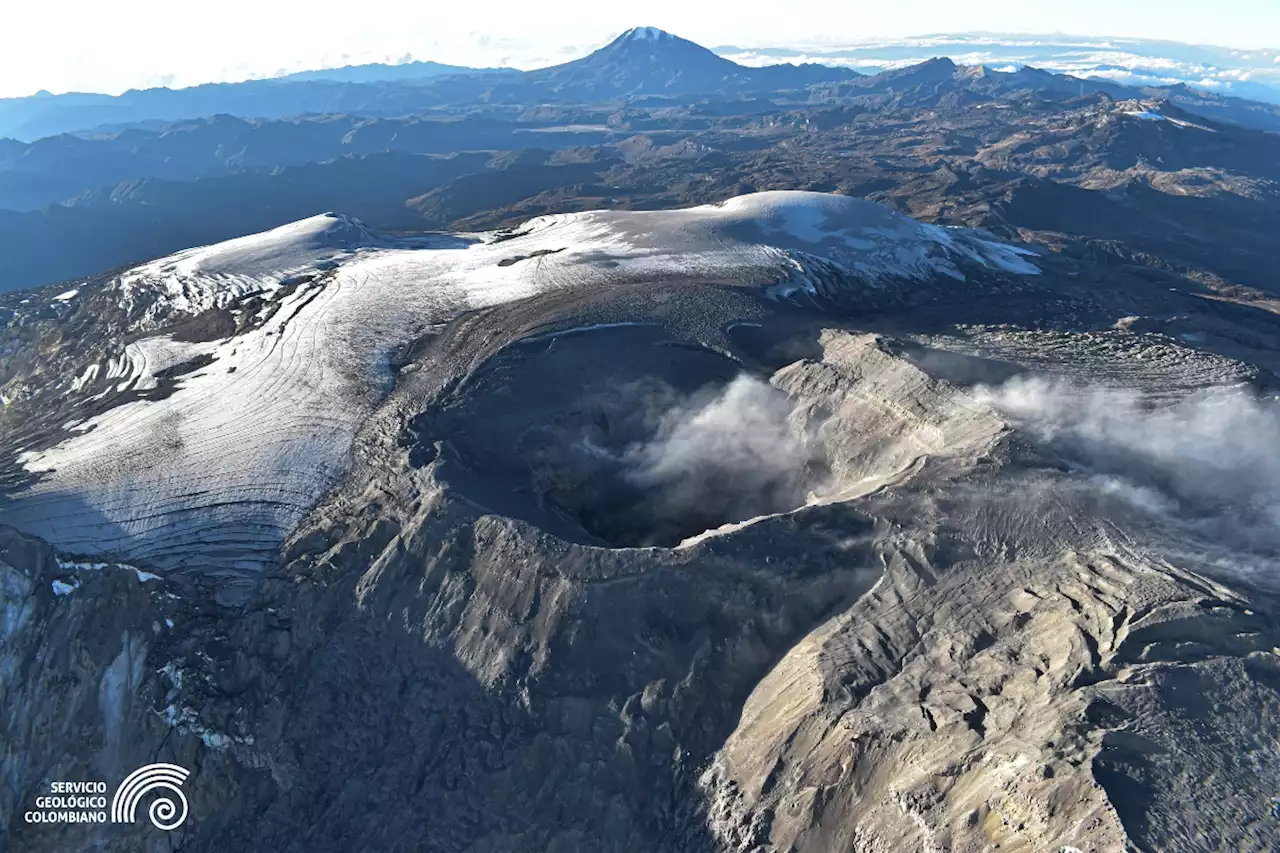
(799, 46)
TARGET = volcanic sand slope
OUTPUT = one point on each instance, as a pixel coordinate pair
(258, 424)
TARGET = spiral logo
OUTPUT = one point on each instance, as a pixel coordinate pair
(164, 812)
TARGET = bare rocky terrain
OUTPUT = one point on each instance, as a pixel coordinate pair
(786, 522)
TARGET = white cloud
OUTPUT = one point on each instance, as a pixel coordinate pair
(1207, 462)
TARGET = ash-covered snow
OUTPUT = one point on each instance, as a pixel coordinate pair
(64, 588)
(1152, 115)
(76, 566)
(215, 474)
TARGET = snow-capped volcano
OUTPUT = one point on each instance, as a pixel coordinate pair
(205, 453)
(647, 60)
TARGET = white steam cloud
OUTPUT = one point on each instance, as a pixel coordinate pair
(731, 455)
(1211, 460)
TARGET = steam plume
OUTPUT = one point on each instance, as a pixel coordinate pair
(1210, 460)
(730, 456)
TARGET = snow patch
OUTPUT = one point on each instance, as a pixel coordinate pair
(87, 378)
(63, 588)
(1152, 115)
(74, 566)
(69, 565)
(186, 720)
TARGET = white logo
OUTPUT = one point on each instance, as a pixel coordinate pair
(164, 812)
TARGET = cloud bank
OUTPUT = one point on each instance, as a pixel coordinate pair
(1135, 62)
(1209, 462)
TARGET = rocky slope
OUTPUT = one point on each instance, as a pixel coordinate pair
(784, 525)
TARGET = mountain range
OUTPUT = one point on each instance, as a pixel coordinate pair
(640, 61)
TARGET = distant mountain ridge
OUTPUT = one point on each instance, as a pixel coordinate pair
(383, 72)
(1253, 74)
(643, 60)
(650, 118)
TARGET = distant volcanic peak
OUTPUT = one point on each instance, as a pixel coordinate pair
(645, 59)
(652, 41)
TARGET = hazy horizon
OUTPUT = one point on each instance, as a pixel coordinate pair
(145, 44)
(1254, 74)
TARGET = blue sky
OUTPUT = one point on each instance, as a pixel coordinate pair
(89, 45)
